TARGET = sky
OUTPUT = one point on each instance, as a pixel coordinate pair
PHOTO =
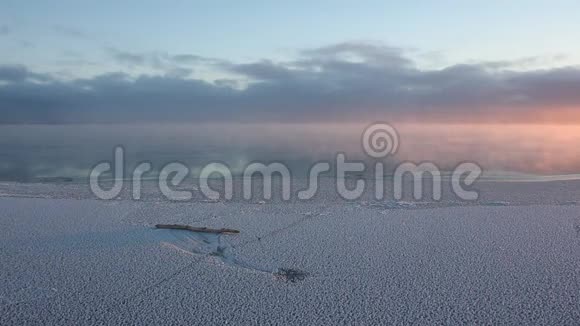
(133, 61)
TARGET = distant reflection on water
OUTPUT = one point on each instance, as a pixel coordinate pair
(64, 152)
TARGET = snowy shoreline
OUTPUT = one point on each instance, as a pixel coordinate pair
(512, 257)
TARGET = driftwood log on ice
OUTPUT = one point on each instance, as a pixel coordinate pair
(195, 229)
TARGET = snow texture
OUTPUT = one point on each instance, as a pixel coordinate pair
(83, 261)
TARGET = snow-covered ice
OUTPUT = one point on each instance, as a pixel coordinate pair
(513, 257)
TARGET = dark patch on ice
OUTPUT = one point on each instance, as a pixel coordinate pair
(315, 214)
(290, 275)
(569, 203)
(52, 179)
(496, 203)
(383, 205)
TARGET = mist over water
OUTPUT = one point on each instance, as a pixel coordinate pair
(31, 153)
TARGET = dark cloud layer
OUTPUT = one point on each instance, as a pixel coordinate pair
(340, 82)
(20, 74)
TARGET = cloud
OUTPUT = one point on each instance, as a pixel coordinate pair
(343, 82)
(526, 63)
(263, 70)
(180, 65)
(13, 73)
(128, 58)
(19, 73)
(159, 60)
(192, 59)
(366, 52)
